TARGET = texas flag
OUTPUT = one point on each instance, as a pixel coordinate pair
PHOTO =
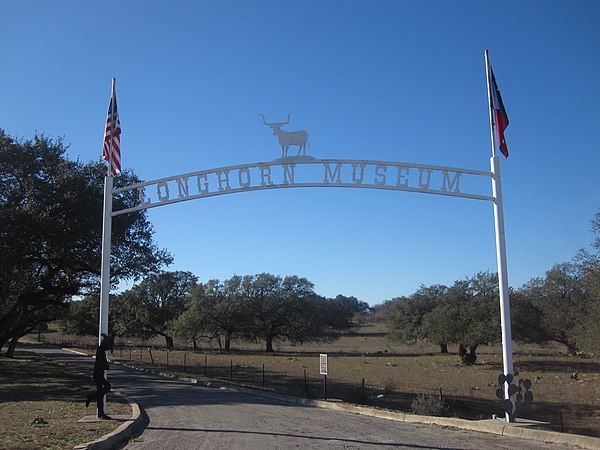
(500, 116)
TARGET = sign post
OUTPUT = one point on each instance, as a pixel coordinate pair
(323, 371)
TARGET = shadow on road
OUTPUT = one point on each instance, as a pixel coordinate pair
(299, 436)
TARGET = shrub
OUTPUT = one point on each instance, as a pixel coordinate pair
(389, 385)
(428, 405)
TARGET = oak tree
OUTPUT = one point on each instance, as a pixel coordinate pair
(50, 239)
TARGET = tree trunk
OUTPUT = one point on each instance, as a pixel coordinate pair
(571, 348)
(269, 344)
(443, 348)
(470, 357)
(472, 354)
(227, 342)
(169, 341)
(11, 347)
(195, 344)
(2, 342)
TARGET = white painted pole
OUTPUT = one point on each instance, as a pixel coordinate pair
(490, 111)
(505, 322)
(106, 231)
(105, 268)
(106, 239)
(500, 246)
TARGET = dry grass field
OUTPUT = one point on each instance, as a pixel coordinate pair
(41, 402)
(364, 367)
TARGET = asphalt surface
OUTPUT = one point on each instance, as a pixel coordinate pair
(187, 416)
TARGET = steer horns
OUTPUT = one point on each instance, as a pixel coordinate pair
(276, 124)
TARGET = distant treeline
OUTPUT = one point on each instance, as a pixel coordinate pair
(254, 308)
(563, 306)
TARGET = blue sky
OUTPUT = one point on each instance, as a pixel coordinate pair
(380, 80)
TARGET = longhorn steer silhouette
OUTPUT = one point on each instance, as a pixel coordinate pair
(288, 138)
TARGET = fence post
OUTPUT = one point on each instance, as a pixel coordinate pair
(205, 364)
(184, 361)
(562, 426)
(263, 380)
(151, 357)
(305, 385)
(231, 370)
(167, 357)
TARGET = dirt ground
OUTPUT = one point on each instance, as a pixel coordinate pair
(364, 367)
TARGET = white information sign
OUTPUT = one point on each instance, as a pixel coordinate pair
(323, 364)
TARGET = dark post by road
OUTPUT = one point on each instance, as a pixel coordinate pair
(167, 357)
(231, 370)
(325, 387)
(205, 364)
(305, 385)
(263, 380)
(184, 361)
(562, 427)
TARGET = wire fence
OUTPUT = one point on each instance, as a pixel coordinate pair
(243, 369)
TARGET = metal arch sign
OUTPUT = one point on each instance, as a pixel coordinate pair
(305, 171)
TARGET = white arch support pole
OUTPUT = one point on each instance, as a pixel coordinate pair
(105, 268)
(502, 273)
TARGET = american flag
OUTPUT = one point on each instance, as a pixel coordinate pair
(111, 150)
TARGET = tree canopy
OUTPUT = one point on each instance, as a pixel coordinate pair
(282, 308)
(265, 308)
(50, 239)
(215, 312)
(465, 314)
(149, 308)
(564, 305)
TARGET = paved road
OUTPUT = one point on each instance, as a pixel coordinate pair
(186, 416)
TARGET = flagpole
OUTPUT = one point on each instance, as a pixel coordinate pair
(490, 109)
(105, 268)
(505, 322)
(107, 227)
(106, 235)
